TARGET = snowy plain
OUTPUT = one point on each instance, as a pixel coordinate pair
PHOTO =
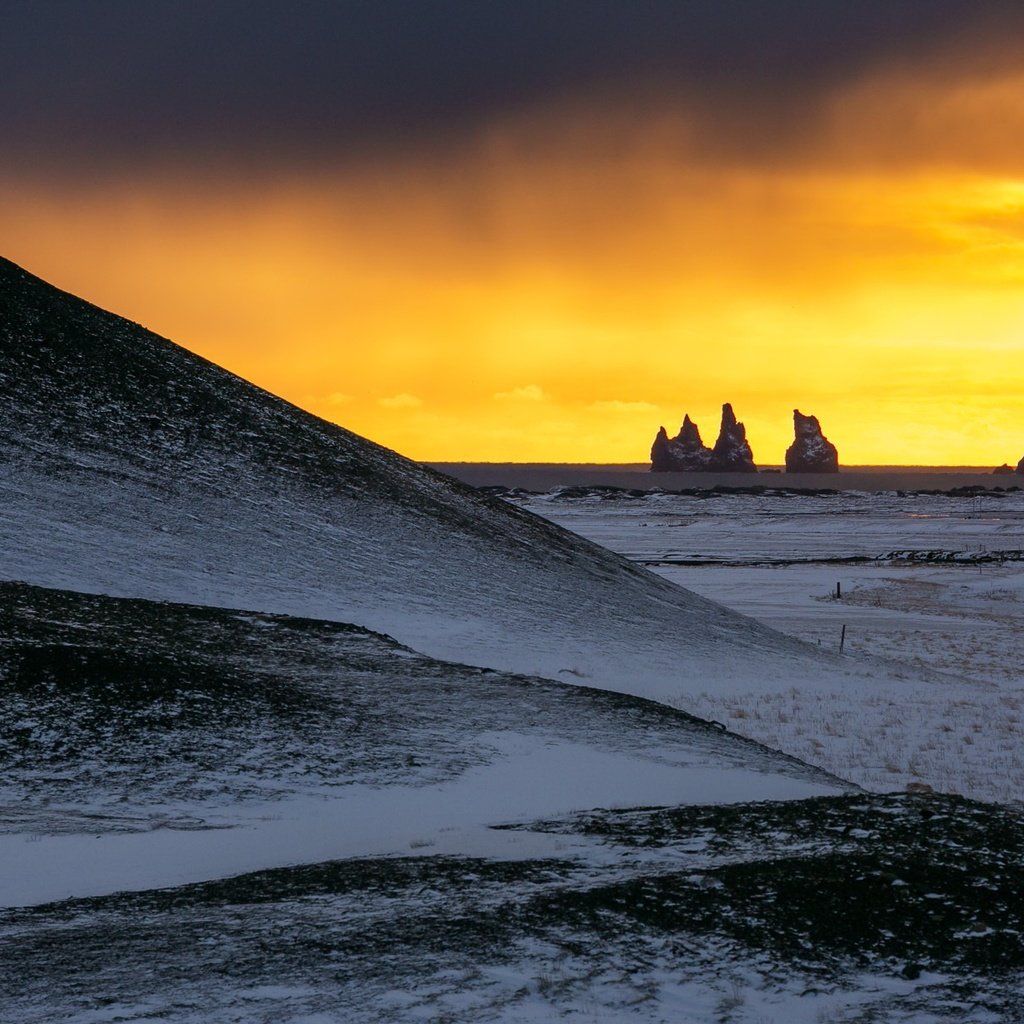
(931, 587)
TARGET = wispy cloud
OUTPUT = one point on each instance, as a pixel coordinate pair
(615, 405)
(402, 401)
(529, 393)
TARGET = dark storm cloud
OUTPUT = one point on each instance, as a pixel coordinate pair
(122, 81)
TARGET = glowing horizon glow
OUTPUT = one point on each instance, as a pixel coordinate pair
(537, 301)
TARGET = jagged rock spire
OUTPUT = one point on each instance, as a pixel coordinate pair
(732, 453)
(689, 434)
(684, 453)
(811, 451)
(687, 453)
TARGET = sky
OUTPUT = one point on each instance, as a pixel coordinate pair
(537, 230)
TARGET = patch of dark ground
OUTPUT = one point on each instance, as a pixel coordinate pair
(611, 492)
(122, 705)
(815, 894)
(907, 556)
(914, 881)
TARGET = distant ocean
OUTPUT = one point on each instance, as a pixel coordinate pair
(545, 476)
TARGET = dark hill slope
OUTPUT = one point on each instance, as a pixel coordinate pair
(270, 740)
(132, 467)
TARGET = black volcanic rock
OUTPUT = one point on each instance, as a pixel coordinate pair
(687, 453)
(684, 453)
(811, 451)
(732, 453)
(1020, 468)
(661, 452)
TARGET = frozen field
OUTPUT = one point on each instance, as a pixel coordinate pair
(934, 581)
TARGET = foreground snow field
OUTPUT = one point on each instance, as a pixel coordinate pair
(935, 581)
(217, 816)
(848, 909)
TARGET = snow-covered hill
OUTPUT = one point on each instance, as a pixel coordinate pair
(200, 742)
(130, 467)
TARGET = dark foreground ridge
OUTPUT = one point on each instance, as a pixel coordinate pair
(859, 908)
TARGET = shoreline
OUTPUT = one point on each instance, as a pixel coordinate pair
(546, 476)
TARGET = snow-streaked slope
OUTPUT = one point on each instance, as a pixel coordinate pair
(146, 744)
(131, 467)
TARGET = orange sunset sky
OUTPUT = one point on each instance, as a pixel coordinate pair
(559, 273)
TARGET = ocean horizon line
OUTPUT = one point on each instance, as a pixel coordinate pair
(645, 467)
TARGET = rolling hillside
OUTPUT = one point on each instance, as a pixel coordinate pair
(130, 467)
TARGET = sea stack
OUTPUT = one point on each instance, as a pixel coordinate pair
(732, 453)
(1020, 468)
(687, 453)
(684, 453)
(811, 451)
